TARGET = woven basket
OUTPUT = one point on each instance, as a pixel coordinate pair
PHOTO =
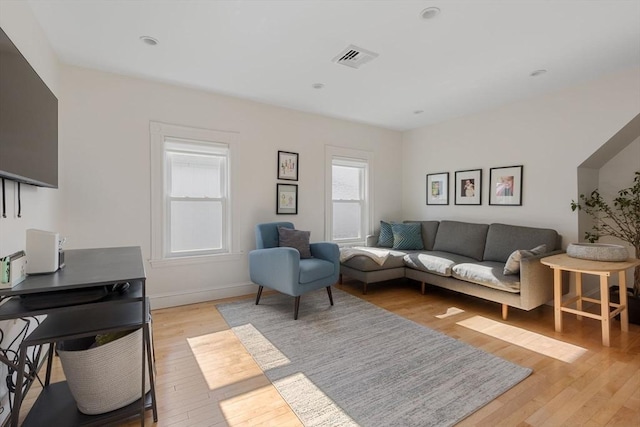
(107, 377)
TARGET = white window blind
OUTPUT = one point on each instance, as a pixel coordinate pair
(196, 197)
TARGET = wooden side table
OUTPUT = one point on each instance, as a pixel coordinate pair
(564, 262)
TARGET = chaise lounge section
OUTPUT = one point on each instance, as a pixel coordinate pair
(468, 258)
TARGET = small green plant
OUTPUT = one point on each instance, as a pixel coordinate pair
(622, 220)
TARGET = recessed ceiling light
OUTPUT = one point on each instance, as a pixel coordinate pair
(149, 40)
(537, 73)
(429, 13)
(418, 112)
(317, 85)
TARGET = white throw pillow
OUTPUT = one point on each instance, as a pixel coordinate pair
(512, 266)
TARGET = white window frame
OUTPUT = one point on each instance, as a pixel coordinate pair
(160, 134)
(360, 156)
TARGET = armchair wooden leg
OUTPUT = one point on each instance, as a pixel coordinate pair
(330, 296)
(259, 294)
(296, 308)
(505, 311)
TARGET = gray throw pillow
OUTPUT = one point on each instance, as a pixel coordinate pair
(512, 266)
(296, 239)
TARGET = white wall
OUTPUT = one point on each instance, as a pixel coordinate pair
(550, 135)
(616, 174)
(106, 170)
(40, 208)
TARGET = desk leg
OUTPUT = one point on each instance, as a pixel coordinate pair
(604, 310)
(17, 397)
(557, 298)
(579, 293)
(50, 353)
(624, 314)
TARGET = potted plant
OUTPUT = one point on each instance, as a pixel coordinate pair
(621, 220)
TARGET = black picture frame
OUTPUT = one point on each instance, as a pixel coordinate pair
(438, 188)
(286, 199)
(505, 186)
(288, 164)
(468, 187)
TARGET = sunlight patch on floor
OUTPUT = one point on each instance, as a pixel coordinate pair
(301, 392)
(521, 337)
(223, 360)
(451, 311)
(267, 355)
(252, 406)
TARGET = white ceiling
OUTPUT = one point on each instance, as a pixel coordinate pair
(473, 56)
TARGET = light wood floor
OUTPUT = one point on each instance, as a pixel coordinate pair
(205, 377)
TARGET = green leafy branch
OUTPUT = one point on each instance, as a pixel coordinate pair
(620, 220)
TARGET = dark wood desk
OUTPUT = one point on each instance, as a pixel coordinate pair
(85, 268)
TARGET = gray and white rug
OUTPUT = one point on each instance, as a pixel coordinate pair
(357, 364)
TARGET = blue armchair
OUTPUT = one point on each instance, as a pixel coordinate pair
(281, 269)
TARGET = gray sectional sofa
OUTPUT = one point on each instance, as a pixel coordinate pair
(468, 258)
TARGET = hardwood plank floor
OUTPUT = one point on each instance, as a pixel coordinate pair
(205, 377)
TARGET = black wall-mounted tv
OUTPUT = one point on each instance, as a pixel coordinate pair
(28, 121)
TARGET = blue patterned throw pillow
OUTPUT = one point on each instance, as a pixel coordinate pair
(407, 236)
(385, 239)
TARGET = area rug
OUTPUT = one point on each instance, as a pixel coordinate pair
(358, 364)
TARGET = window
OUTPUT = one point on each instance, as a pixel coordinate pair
(348, 210)
(196, 197)
(191, 189)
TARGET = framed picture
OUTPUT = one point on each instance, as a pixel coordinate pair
(468, 185)
(287, 199)
(505, 186)
(438, 188)
(287, 165)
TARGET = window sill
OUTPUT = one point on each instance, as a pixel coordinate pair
(200, 259)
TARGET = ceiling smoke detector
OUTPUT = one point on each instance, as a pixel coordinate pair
(148, 40)
(429, 13)
(354, 56)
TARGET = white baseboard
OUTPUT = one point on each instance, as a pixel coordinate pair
(181, 298)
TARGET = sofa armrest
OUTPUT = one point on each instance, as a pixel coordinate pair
(276, 268)
(372, 240)
(536, 281)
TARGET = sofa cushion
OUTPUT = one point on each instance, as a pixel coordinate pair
(503, 239)
(487, 273)
(407, 236)
(363, 263)
(429, 231)
(313, 269)
(385, 238)
(296, 239)
(434, 262)
(462, 238)
(512, 266)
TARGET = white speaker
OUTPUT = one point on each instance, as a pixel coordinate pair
(42, 251)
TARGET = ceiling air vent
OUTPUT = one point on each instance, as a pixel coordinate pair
(354, 56)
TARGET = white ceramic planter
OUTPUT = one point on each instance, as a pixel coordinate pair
(597, 252)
